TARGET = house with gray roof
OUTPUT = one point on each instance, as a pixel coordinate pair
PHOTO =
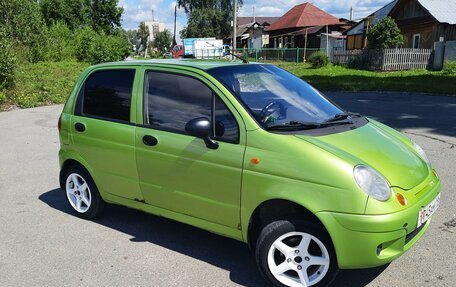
(422, 23)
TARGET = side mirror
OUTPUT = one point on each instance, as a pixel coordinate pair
(202, 128)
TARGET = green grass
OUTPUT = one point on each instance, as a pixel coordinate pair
(41, 84)
(337, 78)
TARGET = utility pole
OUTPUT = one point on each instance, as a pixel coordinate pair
(254, 20)
(175, 19)
(234, 27)
(153, 19)
(327, 41)
(351, 13)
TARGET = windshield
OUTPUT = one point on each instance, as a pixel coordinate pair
(275, 96)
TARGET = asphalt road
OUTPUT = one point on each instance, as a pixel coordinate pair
(43, 244)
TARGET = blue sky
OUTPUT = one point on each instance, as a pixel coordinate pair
(136, 11)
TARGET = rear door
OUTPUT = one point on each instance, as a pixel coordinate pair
(103, 130)
(177, 171)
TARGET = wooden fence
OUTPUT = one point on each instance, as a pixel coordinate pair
(385, 60)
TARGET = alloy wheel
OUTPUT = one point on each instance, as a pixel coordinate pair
(78, 193)
(298, 259)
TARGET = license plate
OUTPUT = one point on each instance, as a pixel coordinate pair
(426, 212)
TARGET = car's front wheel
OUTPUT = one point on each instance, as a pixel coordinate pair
(82, 193)
(296, 254)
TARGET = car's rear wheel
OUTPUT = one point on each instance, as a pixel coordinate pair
(296, 254)
(82, 193)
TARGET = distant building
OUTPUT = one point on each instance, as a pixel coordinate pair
(422, 23)
(356, 36)
(251, 32)
(155, 27)
(303, 25)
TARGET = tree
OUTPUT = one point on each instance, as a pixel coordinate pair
(208, 18)
(205, 22)
(20, 19)
(74, 13)
(143, 35)
(105, 15)
(133, 39)
(163, 41)
(385, 34)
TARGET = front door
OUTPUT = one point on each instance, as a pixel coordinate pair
(177, 171)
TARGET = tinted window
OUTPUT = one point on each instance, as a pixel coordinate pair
(107, 94)
(226, 127)
(171, 101)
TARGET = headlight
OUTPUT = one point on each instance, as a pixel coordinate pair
(421, 152)
(372, 183)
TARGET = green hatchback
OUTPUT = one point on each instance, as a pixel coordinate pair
(251, 152)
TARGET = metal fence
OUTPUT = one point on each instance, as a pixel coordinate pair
(296, 55)
(385, 60)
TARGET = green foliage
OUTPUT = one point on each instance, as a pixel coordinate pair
(97, 48)
(191, 5)
(2, 98)
(44, 83)
(207, 18)
(73, 13)
(449, 68)
(24, 26)
(106, 16)
(318, 60)
(60, 43)
(7, 62)
(143, 34)
(385, 34)
(163, 41)
(207, 22)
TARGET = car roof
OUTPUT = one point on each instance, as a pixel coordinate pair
(199, 64)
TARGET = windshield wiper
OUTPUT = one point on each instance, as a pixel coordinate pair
(342, 116)
(300, 125)
(294, 125)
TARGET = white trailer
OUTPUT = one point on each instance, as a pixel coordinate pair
(208, 49)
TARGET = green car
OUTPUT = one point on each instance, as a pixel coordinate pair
(251, 152)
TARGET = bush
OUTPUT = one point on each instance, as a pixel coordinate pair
(318, 60)
(2, 98)
(7, 62)
(60, 43)
(449, 68)
(97, 48)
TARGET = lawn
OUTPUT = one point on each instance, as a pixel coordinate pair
(337, 78)
(47, 83)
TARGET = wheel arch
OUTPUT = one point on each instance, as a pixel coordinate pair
(277, 209)
(67, 162)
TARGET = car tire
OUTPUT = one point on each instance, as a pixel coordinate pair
(82, 194)
(285, 252)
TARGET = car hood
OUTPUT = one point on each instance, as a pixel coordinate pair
(383, 149)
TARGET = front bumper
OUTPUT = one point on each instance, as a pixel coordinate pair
(363, 241)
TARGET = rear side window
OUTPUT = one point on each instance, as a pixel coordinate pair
(107, 94)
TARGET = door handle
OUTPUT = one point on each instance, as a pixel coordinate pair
(79, 127)
(150, 140)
